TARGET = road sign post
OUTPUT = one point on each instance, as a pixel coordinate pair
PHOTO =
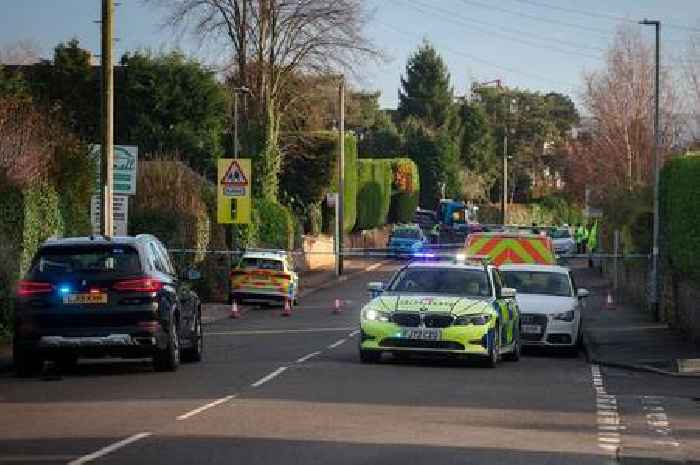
(233, 191)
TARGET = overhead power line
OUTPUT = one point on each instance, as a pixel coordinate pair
(523, 37)
(491, 64)
(602, 32)
(594, 14)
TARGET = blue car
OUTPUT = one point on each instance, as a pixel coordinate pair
(406, 241)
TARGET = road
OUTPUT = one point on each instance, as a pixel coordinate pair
(275, 390)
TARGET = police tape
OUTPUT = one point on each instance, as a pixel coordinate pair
(428, 253)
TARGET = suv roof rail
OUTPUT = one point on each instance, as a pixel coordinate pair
(97, 236)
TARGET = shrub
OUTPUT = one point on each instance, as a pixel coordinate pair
(405, 190)
(374, 193)
(275, 225)
(680, 213)
(30, 216)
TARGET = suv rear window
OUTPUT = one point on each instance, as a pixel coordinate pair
(94, 259)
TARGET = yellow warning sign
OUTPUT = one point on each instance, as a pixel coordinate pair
(233, 191)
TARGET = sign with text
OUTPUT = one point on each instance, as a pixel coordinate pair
(235, 180)
(126, 162)
(120, 213)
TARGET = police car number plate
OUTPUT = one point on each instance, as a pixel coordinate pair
(424, 334)
(531, 329)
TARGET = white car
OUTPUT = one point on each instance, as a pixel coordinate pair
(550, 305)
(564, 244)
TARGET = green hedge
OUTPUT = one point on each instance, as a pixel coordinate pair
(405, 190)
(275, 225)
(680, 213)
(374, 193)
(29, 216)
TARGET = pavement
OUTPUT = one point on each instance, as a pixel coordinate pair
(625, 336)
(274, 390)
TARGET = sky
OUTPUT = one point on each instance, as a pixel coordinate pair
(542, 45)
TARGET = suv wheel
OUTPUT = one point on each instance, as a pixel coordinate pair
(26, 362)
(168, 359)
(194, 353)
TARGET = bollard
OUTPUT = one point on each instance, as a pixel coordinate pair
(338, 306)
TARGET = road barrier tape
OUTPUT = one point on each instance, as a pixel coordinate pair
(428, 253)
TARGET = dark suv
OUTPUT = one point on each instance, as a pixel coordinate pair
(99, 296)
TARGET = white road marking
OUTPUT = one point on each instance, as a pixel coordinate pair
(609, 427)
(277, 331)
(109, 449)
(267, 378)
(205, 407)
(34, 458)
(374, 267)
(337, 343)
(354, 333)
(308, 356)
(658, 422)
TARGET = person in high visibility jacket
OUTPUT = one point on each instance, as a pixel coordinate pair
(593, 237)
(579, 237)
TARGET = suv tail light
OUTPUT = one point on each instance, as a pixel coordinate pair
(26, 288)
(139, 285)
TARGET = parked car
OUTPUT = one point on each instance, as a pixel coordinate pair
(407, 240)
(564, 244)
(550, 304)
(105, 296)
(265, 277)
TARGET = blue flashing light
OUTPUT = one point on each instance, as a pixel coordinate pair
(64, 289)
(424, 255)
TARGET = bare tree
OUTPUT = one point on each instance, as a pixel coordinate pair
(690, 64)
(272, 43)
(620, 101)
(22, 52)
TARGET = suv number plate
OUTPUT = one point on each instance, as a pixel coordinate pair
(425, 334)
(96, 298)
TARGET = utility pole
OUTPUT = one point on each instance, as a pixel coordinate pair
(107, 159)
(654, 297)
(504, 199)
(237, 90)
(339, 213)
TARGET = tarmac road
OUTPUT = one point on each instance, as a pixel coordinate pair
(275, 390)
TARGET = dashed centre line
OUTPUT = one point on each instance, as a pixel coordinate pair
(269, 377)
(337, 343)
(205, 407)
(109, 449)
(308, 356)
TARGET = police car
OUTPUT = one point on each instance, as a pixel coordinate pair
(456, 308)
(265, 277)
(551, 305)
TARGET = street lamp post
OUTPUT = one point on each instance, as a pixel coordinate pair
(654, 294)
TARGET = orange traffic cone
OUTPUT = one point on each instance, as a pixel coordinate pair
(609, 303)
(338, 306)
(235, 312)
(287, 311)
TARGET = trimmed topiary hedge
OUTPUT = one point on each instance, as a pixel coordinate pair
(405, 190)
(374, 193)
(680, 213)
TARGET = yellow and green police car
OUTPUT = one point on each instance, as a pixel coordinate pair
(458, 308)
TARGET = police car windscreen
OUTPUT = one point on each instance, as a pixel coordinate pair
(539, 282)
(89, 259)
(442, 281)
(262, 264)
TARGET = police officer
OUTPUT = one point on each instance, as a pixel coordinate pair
(579, 237)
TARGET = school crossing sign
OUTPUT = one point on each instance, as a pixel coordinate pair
(233, 191)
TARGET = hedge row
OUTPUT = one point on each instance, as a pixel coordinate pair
(373, 193)
(680, 213)
(405, 190)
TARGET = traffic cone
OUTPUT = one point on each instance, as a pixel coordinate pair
(609, 303)
(338, 306)
(287, 308)
(235, 312)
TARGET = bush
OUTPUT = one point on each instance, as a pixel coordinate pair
(30, 216)
(374, 193)
(275, 225)
(405, 190)
(680, 213)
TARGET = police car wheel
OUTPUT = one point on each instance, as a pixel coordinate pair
(492, 360)
(370, 356)
(514, 356)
